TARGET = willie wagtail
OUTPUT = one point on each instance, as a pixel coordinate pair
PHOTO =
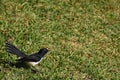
(32, 59)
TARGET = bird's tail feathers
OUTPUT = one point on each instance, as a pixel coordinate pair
(14, 50)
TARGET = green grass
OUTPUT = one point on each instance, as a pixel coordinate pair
(83, 37)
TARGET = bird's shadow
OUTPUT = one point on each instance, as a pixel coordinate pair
(17, 65)
(14, 64)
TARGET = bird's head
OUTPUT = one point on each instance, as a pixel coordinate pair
(43, 50)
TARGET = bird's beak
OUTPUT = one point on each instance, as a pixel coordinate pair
(48, 49)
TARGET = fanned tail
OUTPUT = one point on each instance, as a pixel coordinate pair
(14, 50)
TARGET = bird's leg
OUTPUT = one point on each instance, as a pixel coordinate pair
(34, 69)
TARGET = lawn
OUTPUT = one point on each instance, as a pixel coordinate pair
(83, 38)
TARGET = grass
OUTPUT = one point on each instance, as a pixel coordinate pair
(83, 37)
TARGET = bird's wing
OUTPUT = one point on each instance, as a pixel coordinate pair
(14, 50)
(31, 58)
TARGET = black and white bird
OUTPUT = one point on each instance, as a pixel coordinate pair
(32, 59)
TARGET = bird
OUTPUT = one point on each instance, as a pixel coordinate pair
(32, 59)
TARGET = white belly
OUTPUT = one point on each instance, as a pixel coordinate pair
(33, 63)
